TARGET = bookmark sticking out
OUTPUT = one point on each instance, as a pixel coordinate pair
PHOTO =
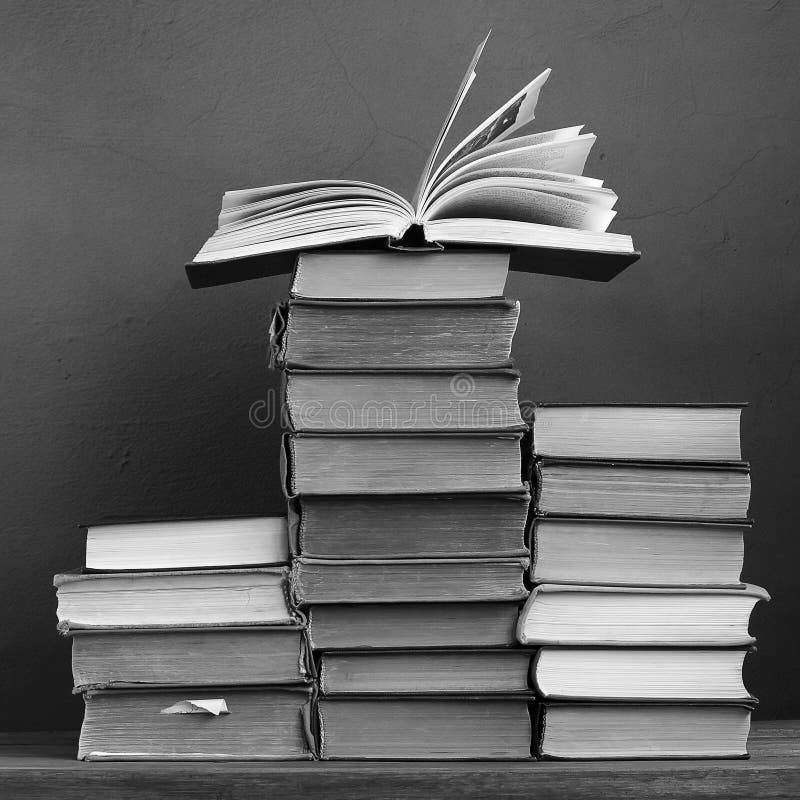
(215, 706)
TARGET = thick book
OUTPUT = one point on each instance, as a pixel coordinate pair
(605, 615)
(708, 491)
(409, 400)
(435, 334)
(383, 526)
(478, 727)
(433, 672)
(252, 655)
(388, 275)
(669, 674)
(186, 543)
(630, 552)
(402, 463)
(413, 625)
(465, 580)
(641, 731)
(227, 597)
(688, 432)
(226, 724)
(495, 188)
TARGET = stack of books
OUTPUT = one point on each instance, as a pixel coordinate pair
(638, 610)
(185, 645)
(408, 501)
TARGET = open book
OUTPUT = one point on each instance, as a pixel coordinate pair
(496, 188)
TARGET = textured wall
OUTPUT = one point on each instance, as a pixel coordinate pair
(125, 392)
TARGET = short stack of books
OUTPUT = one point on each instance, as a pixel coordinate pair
(638, 611)
(184, 643)
(407, 502)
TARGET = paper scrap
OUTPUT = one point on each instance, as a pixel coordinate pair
(214, 706)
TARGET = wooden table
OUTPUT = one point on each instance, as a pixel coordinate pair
(43, 766)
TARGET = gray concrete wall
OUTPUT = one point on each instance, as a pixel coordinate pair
(125, 392)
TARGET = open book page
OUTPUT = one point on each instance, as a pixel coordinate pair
(497, 199)
(466, 82)
(512, 115)
(522, 179)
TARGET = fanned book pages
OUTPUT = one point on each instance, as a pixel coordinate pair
(669, 490)
(413, 625)
(433, 672)
(495, 188)
(213, 656)
(186, 543)
(647, 432)
(173, 599)
(409, 526)
(432, 463)
(606, 615)
(373, 401)
(213, 724)
(593, 550)
(320, 334)
(477, 727)
(638, 673)
(601, 731)
(388, 275)
(316, 581)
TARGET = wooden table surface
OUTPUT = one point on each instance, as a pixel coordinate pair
(43, 766)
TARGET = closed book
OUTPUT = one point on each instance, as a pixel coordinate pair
(641, 731)
(433, 672)
(384, 526)
(228, 724)
(392, 275)
(118, 545)
(667, 674)
(607, 615)
(438, 728)
(381, 401)
(251, 655)
(318, 581)
(403, 463)
(228, 598)
(670, 490)
(685, 432)
(412, 625)
(631, 552)
(320, 334)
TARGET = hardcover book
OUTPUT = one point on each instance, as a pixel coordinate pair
(226, 724)
(317, 581)
(379, 401)
(670, 674)
(710, 491)
(227, 597)
(403, 463)
(608, 615)
(688, 432)
(326, 334)
(381, 275)
(413, 625)
(479, 727)
(629, 552)
(495, 188)
(608, 731)
(252, 655)
(383, 526)
(434, 672)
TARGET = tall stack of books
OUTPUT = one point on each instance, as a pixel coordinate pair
(638, 611)
(184, 643)
(407, 502)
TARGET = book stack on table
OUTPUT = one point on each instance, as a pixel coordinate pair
(408, 501)
(638, 610)
(185, 645)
